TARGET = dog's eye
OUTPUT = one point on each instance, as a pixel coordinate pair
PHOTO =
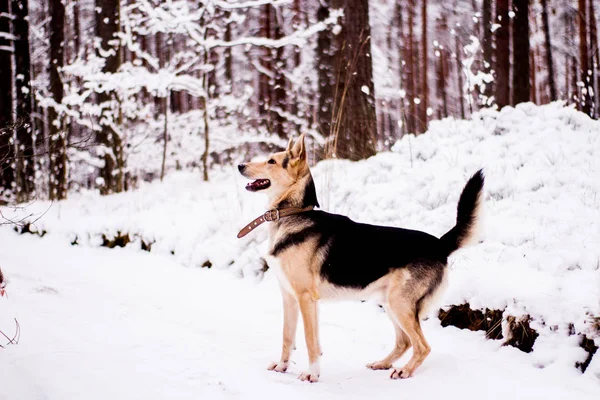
(271, 161)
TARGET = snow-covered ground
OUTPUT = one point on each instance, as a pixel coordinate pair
(118, 324)
(539, 257)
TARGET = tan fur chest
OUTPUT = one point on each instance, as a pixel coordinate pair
(277, 264)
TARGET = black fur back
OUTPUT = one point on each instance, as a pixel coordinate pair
(358, 254)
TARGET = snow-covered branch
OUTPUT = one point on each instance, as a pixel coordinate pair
(298, 38)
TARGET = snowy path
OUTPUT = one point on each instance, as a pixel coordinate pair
(119, 324)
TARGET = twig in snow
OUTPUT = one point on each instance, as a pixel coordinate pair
(4, 220)
(17, 336)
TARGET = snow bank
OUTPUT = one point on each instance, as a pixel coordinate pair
(539, 254)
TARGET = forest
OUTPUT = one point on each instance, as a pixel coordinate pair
(104, 94)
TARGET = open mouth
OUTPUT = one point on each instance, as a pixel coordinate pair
(258, 184)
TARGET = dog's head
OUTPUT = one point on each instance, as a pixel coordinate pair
(279, 172)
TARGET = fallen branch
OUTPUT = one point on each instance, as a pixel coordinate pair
(16, 337)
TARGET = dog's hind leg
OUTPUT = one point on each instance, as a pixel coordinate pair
(290, 322)
(421, 348)
(402, 344)
(403, 306)
(308, 308)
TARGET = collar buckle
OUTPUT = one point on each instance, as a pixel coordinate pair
(271, 215)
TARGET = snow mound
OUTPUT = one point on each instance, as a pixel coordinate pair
(539, 254)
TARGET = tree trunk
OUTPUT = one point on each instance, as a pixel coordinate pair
(326, 73)
(459, 73)
(57, 138)
(296, 24)
(567, 26)
(410, 71)
(442, 70)
(143, 40)
(355, 119)
(228, 60)
(165, 139)
(532, 78)
(594, 60)
(264, 88)
(584, 66)
(574, 77)
(75, 130)
(567, 77)
(488, 48)
(548, 46)
(25, 162)
(441, 85)
(7, 173)
(502, 54)
(169, 48)
(279, 92)
(159, 102)
(107, 26)
(521, 83)
(294, 101)
(540, 87)
(401, 68)
(205, 103)
(76, 28)
(424, 69)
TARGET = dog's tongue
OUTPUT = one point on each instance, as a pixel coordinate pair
(258, 185)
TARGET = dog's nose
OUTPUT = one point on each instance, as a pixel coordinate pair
(241, 167)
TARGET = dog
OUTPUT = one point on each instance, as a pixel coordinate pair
(317, 255)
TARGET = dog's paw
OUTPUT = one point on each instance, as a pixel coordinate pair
(401, 373)
(379, 365)
(308, 377)
(280, 366)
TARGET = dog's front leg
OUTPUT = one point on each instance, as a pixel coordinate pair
(308, 308)
(290, 322)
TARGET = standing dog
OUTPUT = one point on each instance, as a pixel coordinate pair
(317, 255)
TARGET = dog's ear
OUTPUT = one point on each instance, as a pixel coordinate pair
(290, 145)
(298, 151)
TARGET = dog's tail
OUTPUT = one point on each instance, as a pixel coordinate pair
(467, 218)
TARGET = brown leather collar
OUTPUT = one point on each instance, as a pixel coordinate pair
(269, 216)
